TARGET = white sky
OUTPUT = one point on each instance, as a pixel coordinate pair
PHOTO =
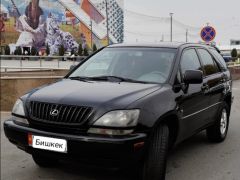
(223, 15)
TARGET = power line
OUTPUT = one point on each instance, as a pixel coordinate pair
(149, 18)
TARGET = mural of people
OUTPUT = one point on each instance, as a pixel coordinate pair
(32, 32)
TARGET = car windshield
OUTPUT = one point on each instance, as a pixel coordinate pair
(149, 65)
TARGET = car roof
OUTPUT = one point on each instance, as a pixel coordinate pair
(159, 45)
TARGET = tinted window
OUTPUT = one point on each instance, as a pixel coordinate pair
(141, 64)
(220, 59)
(210, 67)
(190, 61)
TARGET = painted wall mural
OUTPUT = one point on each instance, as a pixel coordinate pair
(37, 23)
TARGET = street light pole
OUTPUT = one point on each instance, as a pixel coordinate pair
(106, 3)
(171, 30)
(186, 35)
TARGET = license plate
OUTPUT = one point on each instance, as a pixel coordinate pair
(51, 144)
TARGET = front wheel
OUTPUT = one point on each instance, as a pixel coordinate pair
(218, 132)
(155, 163)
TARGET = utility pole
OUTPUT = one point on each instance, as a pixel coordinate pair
(171, 29)
(186, 35)
(106, 3)
(91, 34)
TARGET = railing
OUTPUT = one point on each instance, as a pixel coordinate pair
(38, 62)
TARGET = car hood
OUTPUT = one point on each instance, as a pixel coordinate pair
(107, 95)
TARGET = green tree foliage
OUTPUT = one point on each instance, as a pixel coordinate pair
(7, 50)
(18, 51)
(80, 50)
(94, 48)
(61, 50)
(85, 52)
(234, 53)
(72, 52)
(33, 51)
(47, 50)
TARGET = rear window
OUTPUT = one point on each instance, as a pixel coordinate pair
(220, 59)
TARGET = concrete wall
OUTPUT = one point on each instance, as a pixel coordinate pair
(235, 71)
(14, 87)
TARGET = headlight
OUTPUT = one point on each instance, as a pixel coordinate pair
(121, 118)
(18, 108)
(116, 119)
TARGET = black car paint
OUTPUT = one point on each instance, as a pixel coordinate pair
(194, 109)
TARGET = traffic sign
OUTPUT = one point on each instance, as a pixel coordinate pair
(208, 33)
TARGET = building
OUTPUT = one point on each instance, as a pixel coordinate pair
(77, 22)
(235, 41)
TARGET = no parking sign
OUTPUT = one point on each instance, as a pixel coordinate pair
(208, 33)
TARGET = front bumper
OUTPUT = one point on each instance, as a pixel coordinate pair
(86, 149)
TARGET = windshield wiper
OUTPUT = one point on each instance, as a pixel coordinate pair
(80, 78)
(115, 78)
(106, 78)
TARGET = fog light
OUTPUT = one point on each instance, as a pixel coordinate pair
(113, 132)
(20, 120)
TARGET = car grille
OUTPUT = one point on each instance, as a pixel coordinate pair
(64, 114)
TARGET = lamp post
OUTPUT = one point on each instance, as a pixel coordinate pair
(171, 29)
(91, 34)
(106, 3)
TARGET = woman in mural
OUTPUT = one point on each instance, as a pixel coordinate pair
(31, 27)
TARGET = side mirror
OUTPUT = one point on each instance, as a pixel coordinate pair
(72, 67)
(193, 77)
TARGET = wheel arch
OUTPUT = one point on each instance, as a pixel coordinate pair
(172, 121)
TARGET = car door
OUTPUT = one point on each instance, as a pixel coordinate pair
(193, 102)
(213, 81)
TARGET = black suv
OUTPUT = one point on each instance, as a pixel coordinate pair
(126, 105)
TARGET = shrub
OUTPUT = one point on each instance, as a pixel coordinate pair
(80, 50)
(72, 52)
(7, 50)
(61, 50)
(94, 48)
(85, 52)
(33, 51)
(47, 50)
(234, 53)
(18, 51)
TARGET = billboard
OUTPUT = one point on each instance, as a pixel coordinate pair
(38, 23)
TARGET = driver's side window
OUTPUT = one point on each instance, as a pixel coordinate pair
(189, 61)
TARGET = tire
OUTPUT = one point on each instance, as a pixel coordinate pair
(154, 167)
(218, 131)
(43, 161)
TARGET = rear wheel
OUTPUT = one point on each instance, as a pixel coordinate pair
(43, 161)
(154, 167)
(218, 132)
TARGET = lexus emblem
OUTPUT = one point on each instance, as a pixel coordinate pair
(54, 112)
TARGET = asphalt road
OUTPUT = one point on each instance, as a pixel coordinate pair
(194, 159)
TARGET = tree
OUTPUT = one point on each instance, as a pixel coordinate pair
(47, 50)
(7, 50)
(33, 51)
(72, 52)
(18, 51)
(85, 52)
(80, 50)
(234, 53)
(61, 50)
(94, 48)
